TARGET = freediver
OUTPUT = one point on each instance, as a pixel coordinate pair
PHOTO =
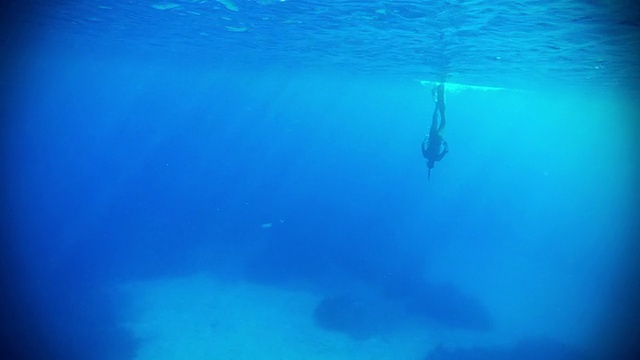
(433, 142)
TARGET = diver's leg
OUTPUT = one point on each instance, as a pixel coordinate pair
(440, 97)
(443, 121)
(441, 107)
(443, 124)
(434, 121)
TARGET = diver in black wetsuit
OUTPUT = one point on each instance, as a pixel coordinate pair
(434, 141)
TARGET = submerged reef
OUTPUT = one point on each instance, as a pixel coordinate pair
(442, 303)
(362, 315)
(532, 349)
(346, 314)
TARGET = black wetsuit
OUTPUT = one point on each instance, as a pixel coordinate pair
(434, 142)
(432, 152)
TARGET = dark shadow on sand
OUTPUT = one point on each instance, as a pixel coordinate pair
(532, 349)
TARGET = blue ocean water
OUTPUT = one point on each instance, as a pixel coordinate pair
(277, 143)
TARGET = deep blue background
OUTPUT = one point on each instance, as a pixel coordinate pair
(132, 167)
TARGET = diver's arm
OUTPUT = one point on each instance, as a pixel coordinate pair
(444, 152)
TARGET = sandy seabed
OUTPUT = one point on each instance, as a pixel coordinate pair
(201, 317)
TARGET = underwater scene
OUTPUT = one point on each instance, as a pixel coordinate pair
(306, 179)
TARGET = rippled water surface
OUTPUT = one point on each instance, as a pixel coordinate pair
(521, 44)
